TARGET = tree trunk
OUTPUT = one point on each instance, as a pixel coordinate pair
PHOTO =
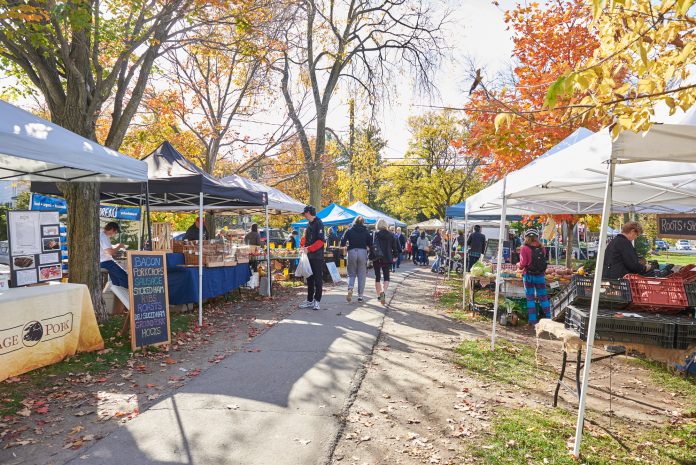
(569, 245)
(315, 179)
(83, 240)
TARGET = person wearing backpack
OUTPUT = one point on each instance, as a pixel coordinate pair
(384, 251)
(533, 264)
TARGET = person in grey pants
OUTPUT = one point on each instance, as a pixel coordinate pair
(358, 240)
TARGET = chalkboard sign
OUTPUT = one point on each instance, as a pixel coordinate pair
(676, 226)
(149, 299)
(491, 249)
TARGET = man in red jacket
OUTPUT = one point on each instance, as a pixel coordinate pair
(314, 248)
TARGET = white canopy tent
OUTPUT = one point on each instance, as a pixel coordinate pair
(33, 149)
(278, 201)
(652, 172)
(376, 215)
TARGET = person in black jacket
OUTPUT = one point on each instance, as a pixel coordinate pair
(477, 246)
(359, 240)
(620, 257)
(314, 242)
(384, 244)
(402, 246)
(192, 233)
(414, 244)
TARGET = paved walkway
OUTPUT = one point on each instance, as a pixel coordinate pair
(278, 402)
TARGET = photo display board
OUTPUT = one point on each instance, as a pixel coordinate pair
(34, 247)
(491, 249)
(677, 226)
(149, 299)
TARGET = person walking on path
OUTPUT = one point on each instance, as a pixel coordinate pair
(413, 239)
(398, 245)
(401, 239)
(314, 248)
(359, 240)
(533, 265)
(477, 246)
(384, 250)
(437, 245)
(423, 245)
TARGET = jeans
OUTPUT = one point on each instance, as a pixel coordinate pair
(357, 268)
(471, 259)
(118, 275)
(315, 282)
(422, 257)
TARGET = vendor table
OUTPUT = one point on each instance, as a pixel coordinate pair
(183, 281)
(41, 325)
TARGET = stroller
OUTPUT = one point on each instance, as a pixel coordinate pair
(445, 263)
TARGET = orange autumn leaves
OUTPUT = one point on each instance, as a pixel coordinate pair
(548, 40)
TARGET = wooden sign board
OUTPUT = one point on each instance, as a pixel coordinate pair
(677, 226)
(149, 299)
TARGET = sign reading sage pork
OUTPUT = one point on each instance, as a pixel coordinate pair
(149, 299)
(677, 226)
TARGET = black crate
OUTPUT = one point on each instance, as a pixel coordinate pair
(615, 292)
(647, 329)
(562, 299)
(686, 333)
(690, 289)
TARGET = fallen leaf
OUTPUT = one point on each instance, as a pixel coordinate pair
(25, 412)
(76, 429)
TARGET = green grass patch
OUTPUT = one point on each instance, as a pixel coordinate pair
(671, 381)
(527, 436)
(674, 258)
(508, 363)
(291, 283)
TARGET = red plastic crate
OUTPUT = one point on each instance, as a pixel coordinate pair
(687, 273)
(664, 295)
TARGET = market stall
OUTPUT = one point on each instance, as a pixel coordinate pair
(176, 184)
(375, 215)
(653, 172)
(42, 324)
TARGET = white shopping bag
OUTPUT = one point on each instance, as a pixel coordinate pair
(253, 281)
(304, 269)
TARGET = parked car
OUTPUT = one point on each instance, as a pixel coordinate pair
(683, 245)
(661, 245)
(278, 236)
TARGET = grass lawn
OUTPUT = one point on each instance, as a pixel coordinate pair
(674, 258)
(671, 382)
(530, 436)
(117, 352)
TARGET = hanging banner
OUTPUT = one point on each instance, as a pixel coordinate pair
(44, 202)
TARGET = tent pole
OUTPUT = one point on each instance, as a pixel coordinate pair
(141, 223)
(201, 228)
(499, 262)
(465, 275)
(268, 254)
(147, 212)
(596, 287)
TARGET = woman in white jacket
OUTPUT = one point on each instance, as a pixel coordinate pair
(423, 244)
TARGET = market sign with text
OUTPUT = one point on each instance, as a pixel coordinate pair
(149, 298)
(677, 226)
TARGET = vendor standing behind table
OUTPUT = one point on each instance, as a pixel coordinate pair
(253, 237)
(192, 233)
(477, 246)
(118, 275)
(620, 257)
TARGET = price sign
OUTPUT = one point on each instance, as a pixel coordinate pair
(149, 299)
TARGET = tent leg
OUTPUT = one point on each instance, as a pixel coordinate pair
(200, 260)
(147, 211)
(466, 259)
(606, 211)
(268, 255)
(499, 262)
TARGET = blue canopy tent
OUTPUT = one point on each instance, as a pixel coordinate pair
(333, 215)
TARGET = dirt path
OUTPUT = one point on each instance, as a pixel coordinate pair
(415, 405)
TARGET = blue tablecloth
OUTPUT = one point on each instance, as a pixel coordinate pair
(183, 282)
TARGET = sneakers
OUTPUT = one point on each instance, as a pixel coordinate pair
(382, 298)
(307, 304)
(316, 306)
(360, 299)
(349, 297)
